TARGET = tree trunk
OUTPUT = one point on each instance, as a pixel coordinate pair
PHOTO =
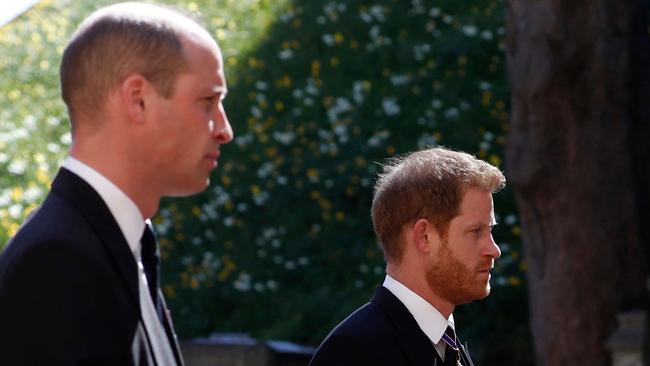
(579, 168)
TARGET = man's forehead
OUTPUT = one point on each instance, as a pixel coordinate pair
(477, 205)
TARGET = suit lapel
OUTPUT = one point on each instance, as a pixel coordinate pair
(102, 222)
(169, 330)
(467, 360)
(416, 346)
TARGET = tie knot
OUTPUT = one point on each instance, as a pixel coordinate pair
(450, 338)
(148, 242)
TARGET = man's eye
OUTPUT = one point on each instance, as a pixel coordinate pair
(208, 102)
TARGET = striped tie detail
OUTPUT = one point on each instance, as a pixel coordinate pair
(452, 354)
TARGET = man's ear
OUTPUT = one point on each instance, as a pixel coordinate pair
(133, 92)
(424, 235)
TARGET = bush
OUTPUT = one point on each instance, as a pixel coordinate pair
(281, 244)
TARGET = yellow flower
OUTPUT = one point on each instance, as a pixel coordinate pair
(312, 173)
(495, 160)
(514, 281)
(194, 283)
(17, 194)
(229, 205)
(487, 97)
(271, 152)
(14, 95)
(12, 228)
(516, 231)
(170, 291)
(285, 82)
(360, 161)
(514, 255)
(523, 265)
(315, 69)
(225, 180)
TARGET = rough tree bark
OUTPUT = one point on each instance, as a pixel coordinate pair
(578, 158)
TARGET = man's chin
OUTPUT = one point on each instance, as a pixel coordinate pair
(482, 293)
(190, 189)
(486, 292)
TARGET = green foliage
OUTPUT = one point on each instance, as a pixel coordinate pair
(281, 244)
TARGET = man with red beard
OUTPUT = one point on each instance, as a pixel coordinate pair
(433, 214)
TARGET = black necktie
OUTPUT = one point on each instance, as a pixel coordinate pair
(452, 357)
(151, 264)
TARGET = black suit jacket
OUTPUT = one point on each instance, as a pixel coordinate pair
(380, 333)
(68, 286)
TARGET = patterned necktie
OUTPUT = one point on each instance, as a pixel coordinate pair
(452, 355)
(159, 343)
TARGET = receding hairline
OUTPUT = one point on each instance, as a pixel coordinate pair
(187, 29)
(174, 32)
(147, 13)
(181, 24)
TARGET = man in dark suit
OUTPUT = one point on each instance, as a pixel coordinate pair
(79, 281)
(433, 213)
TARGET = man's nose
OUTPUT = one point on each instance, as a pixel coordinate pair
(221, 129)
(493, 249)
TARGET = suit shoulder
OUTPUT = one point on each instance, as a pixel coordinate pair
(365, 335)
(56, 223)
(52, 246)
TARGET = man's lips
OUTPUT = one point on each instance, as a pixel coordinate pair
(213, 155)
(486, 269)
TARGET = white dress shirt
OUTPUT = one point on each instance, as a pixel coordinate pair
(131, 223)
(429, 319)
(124, 211)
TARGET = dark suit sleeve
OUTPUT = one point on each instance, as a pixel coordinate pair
(50, 300)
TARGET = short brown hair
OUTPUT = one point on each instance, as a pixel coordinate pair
(425, 184)
(115, 42)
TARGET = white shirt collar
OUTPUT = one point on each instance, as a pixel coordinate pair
(123, 209)
(430, 320)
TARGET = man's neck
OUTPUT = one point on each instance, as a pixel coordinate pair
(417, 283)
(111, 167)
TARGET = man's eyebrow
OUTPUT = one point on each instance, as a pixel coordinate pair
(222, 91)
(213, 92)
(219, 89)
